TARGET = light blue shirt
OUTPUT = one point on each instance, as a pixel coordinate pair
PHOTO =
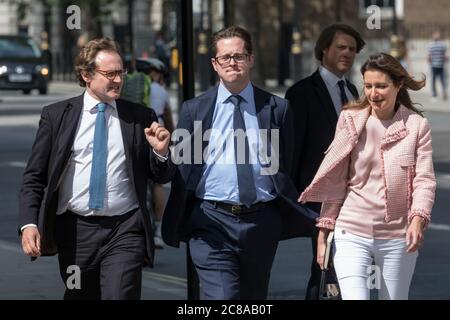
(219, 177)
(331, 81)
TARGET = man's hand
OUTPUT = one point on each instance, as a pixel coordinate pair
(31, 242)
(158, 137)
(414, 234)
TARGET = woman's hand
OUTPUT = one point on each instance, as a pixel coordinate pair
(414, 234)
(322, 246)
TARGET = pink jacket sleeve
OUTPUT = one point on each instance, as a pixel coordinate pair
(424, 181)
(330, 209)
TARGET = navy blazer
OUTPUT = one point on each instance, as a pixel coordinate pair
(272, 113)
(315, 121)
(52, 149)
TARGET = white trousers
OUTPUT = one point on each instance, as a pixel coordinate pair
(391, 273)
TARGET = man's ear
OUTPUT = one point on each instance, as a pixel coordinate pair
(213, 63)
(251, 60)
(86, 77)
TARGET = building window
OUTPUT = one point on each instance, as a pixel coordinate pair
(385, 6)
(380, 3)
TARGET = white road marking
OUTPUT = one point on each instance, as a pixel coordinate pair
(442, 227)
(15, 164)
(165, 278)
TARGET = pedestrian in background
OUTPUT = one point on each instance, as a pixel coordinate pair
(160, 103)
(376, 184)
(437, 58)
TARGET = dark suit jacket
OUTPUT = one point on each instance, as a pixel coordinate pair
(315, 121)
(272, 113)
(52, 149)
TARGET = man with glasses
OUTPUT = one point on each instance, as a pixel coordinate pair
(89, 168)
(223, 201)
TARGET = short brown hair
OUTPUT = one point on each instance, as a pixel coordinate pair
(327, 35)
(85, 60)
(231, 32)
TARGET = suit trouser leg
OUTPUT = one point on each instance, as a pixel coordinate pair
(258, 252)
(109, 252)
(312, 290)
(233, 254)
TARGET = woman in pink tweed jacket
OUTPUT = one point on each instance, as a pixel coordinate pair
(377, 185)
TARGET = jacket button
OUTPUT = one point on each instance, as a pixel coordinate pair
(343, 231)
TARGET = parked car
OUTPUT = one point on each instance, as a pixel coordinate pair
(22, 65)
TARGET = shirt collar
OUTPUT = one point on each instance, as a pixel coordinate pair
(329, 77)
(89, 102)
(223, 93)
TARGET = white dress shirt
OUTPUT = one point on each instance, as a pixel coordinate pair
(120, 196)
(331, 81)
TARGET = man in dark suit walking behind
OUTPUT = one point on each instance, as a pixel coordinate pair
(93, 154)
(316, 102)
(228, 203)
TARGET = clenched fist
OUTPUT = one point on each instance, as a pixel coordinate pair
(158, 137)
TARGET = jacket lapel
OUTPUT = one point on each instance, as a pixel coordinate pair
(67, 128)
(351, 87)
(205, 109)
(204, 112)
(397, 129)
(127, 122)
(263, 108)
(325, 101)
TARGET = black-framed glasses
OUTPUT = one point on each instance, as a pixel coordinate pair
(111, 75)
(226, 59)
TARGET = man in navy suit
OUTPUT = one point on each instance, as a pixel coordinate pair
(316, 102)
(88, 169)
(232, 198)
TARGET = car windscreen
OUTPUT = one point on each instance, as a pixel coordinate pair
(19, 48)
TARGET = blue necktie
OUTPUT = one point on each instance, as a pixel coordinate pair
(246, 184)
(344, 98)
(97, 183)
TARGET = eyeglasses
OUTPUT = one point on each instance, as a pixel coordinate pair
(226, 59)
(111, 75)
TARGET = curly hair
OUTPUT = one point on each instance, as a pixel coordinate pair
(327, 35)
(84, 62)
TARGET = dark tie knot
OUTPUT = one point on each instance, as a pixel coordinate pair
(235, 100)
(341, 84)
(344, 98)
(101, 107)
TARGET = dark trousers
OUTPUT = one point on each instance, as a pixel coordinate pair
(108, 252)
(233, 254)
(438, 73)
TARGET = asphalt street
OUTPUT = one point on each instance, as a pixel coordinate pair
(22, 279)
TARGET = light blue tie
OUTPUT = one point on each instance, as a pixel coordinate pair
(97, 183)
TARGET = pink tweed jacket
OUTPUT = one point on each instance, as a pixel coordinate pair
(406, 161)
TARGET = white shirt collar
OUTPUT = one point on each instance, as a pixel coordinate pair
(329, 77)
(223, 93)
(89, 102)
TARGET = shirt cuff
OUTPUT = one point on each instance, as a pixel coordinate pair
(160, 157)
(28, 225)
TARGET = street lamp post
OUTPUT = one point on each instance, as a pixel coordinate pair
(188, 92)
(296, 46)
